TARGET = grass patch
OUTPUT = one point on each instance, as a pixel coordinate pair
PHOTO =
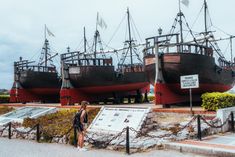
(58, 123)
(5, 109)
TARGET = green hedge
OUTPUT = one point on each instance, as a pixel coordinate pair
(4, 98)
(216, 100)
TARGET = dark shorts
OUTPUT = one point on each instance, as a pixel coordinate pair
(80, 128)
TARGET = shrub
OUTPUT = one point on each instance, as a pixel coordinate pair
(58, 123)
(216, 100)
(4, 98)
(151, 98)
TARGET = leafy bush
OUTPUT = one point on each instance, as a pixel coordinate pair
(5, 109)
(4, 98)
(151, 97)
(216, 100)
(58, 123)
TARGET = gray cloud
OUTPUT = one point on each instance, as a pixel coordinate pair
(22, 23)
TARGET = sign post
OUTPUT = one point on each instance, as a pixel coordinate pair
(189, 82)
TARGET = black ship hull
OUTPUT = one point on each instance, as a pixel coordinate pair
(36, 86)
(97, 83)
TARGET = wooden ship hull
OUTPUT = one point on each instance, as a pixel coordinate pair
(212, 78)
(96, 83)
(35, 86)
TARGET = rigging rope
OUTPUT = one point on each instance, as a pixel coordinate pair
(116, 30)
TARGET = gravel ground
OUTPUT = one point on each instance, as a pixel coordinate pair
(24, 148)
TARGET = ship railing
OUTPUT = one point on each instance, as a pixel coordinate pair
(130, 68)
(90, 62)
(154, 43)
(226, 64)
(36, 68)
(179, 48)
(170, 44)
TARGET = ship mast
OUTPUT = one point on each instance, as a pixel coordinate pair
(46, 51)
(205, 21)
(180, 14)
(45, 47)
(231, 48)
(96, 34)
(84, 35)
(130, 40)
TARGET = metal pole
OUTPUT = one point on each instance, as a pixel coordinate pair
(75, 137)
(191, 105)
(199, 132)
(127, 141)
(9, 131)
(232, 122)
(38, 132)
(146, 96)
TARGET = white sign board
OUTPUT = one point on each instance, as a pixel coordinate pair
(25, 112)
(189, 81)
(112, 120)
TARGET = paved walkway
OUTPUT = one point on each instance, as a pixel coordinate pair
(217, 145)
(24, 148)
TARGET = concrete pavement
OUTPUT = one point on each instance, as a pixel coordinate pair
(221, 145)
(24, 148)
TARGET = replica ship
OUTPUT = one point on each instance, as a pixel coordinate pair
(167, 57)
(36, 82)
(93, 77)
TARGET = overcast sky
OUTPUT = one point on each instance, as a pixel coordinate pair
(22, 24)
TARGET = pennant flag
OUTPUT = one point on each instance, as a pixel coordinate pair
(101, 22)
(49, 32)
(185, 2)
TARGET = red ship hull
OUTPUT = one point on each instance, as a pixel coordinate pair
(165, 95)
(34, 95)
(76, 95)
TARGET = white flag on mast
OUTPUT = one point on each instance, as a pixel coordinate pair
(101, 22)
(185, 2)
(49, 32)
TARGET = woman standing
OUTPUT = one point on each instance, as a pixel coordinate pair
(80, 121)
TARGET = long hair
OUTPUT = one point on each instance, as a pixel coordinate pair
(83, 105)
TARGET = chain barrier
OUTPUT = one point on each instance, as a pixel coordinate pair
(4, 128)
(43, 131)
(139, 133)
(214, 126)
(103, 144)
(24, 132)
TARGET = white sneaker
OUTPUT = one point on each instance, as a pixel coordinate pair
(79, 148)
(83, 149)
